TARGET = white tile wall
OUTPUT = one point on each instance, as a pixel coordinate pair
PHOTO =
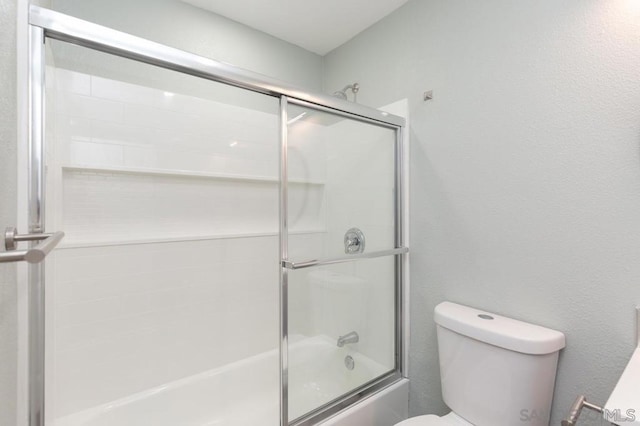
(135, 316)
(359, 191)
(106, 128)
(170, 262)
(108, 207)
(360, 184)
(147, 128)
(170, 205)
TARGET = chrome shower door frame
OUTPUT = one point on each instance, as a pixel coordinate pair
(35, 216)
(399, 253)
(46, 24)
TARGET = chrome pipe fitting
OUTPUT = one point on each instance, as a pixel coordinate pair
(348, 338)
(576, 409)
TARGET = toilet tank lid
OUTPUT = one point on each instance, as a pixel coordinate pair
(497, 330)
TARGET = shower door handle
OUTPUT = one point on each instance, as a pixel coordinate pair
(289, 264)
(32, 255)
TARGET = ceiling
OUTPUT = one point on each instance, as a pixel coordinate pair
(319, 26)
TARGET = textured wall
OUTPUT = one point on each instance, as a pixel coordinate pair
(525, 170)
(186, 27)
(7, 209)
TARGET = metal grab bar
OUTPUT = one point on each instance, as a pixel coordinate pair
(342, 259)
(33, 255)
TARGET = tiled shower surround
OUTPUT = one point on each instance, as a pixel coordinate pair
(169, 267)
(170, 206)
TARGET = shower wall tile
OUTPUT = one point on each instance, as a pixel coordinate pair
(149, 314)
(307, 149)
(68, 81)
(112, 207)
(177, 130)
(96, 154)
(358, 192)
(155, 280)
(89, 107)
(119, 91)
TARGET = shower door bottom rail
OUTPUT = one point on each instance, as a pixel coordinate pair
(289, 264)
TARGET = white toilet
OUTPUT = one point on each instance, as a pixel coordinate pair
(495, 371)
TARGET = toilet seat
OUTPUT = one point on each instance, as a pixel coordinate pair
(450, 419)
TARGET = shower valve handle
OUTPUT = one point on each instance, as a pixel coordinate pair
(354, 241)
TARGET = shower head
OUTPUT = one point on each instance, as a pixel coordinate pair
(342, 94)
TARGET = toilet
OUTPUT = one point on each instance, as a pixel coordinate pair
(494, 371)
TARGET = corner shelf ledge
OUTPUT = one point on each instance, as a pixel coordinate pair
(70, 244)
(183, 173)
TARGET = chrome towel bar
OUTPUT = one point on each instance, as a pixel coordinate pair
(33, 255)
(342, 259)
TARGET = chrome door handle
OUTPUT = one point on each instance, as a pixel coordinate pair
(32, 255)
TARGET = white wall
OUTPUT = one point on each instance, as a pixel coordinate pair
(525, 170)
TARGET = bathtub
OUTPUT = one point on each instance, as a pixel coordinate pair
(246, 393)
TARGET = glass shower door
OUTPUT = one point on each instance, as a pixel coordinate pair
(340, 271)
(162, 301)
(161, 305)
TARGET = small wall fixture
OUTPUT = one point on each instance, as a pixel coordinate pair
(428, 95)
(576, 409)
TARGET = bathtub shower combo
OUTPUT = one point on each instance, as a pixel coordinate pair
(234, 249)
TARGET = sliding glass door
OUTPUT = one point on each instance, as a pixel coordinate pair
(164, 293)
(341, 255)
(233, 250)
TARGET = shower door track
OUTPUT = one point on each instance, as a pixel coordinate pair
(72, 30)
(45, 23)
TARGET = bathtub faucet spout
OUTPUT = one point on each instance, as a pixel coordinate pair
(348, 338)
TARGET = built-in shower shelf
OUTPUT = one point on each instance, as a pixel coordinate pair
(184, 174)
(108, 206)
(71, 244)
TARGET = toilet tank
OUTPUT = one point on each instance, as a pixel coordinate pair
(496, 371)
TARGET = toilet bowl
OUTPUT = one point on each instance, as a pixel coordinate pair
(494, 370)
(450, 419)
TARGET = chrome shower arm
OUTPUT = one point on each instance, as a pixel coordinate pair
(355, 87)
